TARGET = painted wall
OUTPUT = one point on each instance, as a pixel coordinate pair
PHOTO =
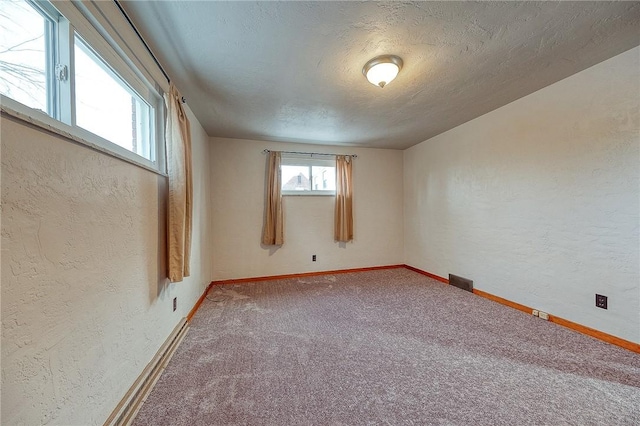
(238, 188)
(538, 201)
(85, 305)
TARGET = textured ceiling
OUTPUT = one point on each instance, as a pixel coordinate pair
(292, 71)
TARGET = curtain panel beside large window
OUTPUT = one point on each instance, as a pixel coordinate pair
(273, 230)
(344, 199)
(180, 204)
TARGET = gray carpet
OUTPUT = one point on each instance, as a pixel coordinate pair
(385, 347)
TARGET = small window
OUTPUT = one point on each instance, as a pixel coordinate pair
(308, 175)
(27, 54)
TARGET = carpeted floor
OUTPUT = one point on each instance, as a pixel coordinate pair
(385, 347)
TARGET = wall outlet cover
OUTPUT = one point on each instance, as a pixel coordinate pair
(543, 315)
(601, 301)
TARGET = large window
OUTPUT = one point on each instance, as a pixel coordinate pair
(78, 80)
(106, 106)
(308, 175)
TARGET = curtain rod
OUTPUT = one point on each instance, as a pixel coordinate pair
(144, 43)
(309, 153)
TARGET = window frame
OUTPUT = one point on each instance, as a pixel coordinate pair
(75, 19)
(310, 161)
(52, 17)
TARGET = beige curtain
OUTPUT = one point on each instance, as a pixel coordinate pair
(344, 199)
(179, 208)
(273, 231)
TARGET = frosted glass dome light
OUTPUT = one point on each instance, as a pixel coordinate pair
(381, 70)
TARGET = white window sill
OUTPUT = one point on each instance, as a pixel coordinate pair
(41, 121)
(308, 194)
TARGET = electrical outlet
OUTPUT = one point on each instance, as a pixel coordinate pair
(543, 315)
(313, 258)
(175, 303)
(534, 312)
(601, 301)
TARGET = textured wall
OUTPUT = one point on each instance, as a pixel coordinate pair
(84, 302)
(538, 201)
(238, 176)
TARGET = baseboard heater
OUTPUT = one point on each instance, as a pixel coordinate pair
(127, 409)
(460, 282)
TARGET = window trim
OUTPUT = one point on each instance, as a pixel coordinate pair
(51, 34)
(313, 193)
(71, 18)
(13, 110)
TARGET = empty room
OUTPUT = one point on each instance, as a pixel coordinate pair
(320, 212)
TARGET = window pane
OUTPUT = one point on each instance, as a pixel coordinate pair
(106, 106)
(295, 178)
(324, 178)
(23, 60)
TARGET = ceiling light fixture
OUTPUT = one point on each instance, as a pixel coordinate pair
(381, 70)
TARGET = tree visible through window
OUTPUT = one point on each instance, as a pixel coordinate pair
(25, 41)
(80, 81)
